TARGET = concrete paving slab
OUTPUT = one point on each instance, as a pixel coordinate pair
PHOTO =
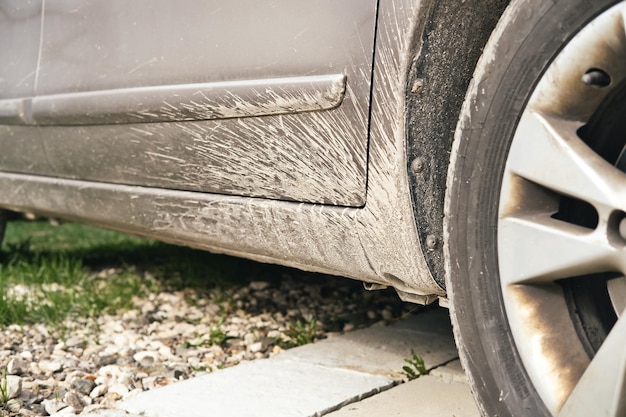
(427, 396)
(261, 388)
(382, 350)
(316, 379)
(451, 372)
(109, 413)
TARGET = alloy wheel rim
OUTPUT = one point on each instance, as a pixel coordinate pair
(543, 250)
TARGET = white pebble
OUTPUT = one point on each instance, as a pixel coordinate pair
(256, 347)
(13, 386)
(98, 391)
(50, 367)
(119, 389)
(53, 406)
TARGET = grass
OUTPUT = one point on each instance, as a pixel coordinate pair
(54, 275)
(49, 274)
(43, 278)
(179, 267)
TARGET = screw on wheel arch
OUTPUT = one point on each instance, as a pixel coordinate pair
(536, 214)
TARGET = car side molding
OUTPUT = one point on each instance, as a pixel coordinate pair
(176, 103)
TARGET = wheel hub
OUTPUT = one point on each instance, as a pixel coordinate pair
(562, 223)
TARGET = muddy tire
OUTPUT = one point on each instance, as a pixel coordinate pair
(534, 251)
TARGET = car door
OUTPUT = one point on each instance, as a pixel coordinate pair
(20, 34)
(249, 98)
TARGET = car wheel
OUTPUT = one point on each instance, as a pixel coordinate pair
(536, 214)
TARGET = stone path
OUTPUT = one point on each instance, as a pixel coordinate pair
(356, 374)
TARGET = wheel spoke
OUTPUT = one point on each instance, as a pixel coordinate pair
(562, 215)
(550, 154)
(538, 249)
(617, 293)
(602, 390)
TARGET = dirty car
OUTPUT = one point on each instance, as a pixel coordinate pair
(468, 153)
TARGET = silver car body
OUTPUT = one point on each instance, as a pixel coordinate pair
(269, 130)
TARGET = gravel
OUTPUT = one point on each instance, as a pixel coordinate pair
(92, 364)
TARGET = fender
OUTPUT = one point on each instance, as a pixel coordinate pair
(437, 81)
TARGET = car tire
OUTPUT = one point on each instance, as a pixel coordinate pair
(528, 342)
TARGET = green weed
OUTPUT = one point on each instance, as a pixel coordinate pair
(197, 369)
(4, 389)
(216, 337)
(415, 367)
(299, 333)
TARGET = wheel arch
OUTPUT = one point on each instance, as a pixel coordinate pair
(447, 47)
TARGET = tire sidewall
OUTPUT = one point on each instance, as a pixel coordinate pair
(530, 34)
